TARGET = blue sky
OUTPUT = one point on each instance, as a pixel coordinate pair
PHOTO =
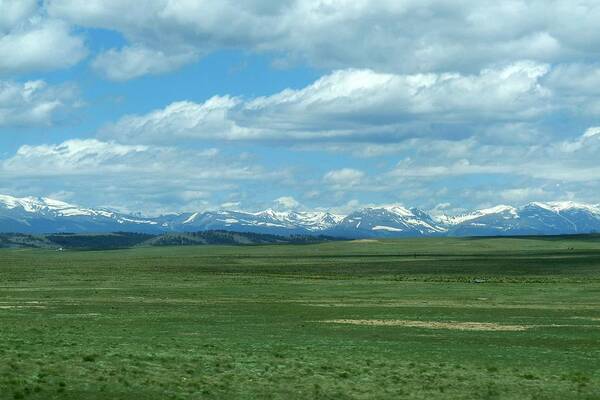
(317, 104)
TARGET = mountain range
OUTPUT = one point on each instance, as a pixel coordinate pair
(36, 215)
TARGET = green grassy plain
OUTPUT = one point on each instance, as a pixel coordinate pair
(226, 322)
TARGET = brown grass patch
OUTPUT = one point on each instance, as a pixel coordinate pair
(454, 325)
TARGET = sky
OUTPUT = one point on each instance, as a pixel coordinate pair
(164, 106)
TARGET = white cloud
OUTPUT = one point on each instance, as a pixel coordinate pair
(526, 194)
(230, 205)
(73, 157)
(344, 178)
(575, 79)
(588, 141)
(350, 100)
(578, 85)
(179, 120)
(287, 203)
(34, 103)
(29, 41)
(592, 132)
(355, 104)
(91, 156)
(136, 61)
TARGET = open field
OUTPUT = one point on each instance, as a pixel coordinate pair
(415, 319)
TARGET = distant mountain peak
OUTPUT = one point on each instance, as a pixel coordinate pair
(45, 215)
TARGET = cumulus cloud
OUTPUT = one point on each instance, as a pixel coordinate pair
(387, 35)
(34, 103)
(361, 99)
(356, 104)
(29, 41)
(179, 120)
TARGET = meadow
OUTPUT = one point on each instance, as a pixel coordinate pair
(472, 318)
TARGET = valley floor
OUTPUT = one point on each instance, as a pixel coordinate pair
(381, 319)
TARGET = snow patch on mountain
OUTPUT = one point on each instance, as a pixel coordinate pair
(559, 206)
(191, 218)
(386, 228)
(451, 220)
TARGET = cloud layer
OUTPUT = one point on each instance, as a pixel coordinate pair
(394, 36)
(147, 176)
(430, 102)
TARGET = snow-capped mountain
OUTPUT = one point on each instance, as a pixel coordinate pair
(45, 206)
(268, 221)
(44, 215)
(387, 221)
(531, 219)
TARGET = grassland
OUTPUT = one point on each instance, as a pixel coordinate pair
(414, 319)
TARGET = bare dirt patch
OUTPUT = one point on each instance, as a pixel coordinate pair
(454, 325)
(12, 307)
(15, 304)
